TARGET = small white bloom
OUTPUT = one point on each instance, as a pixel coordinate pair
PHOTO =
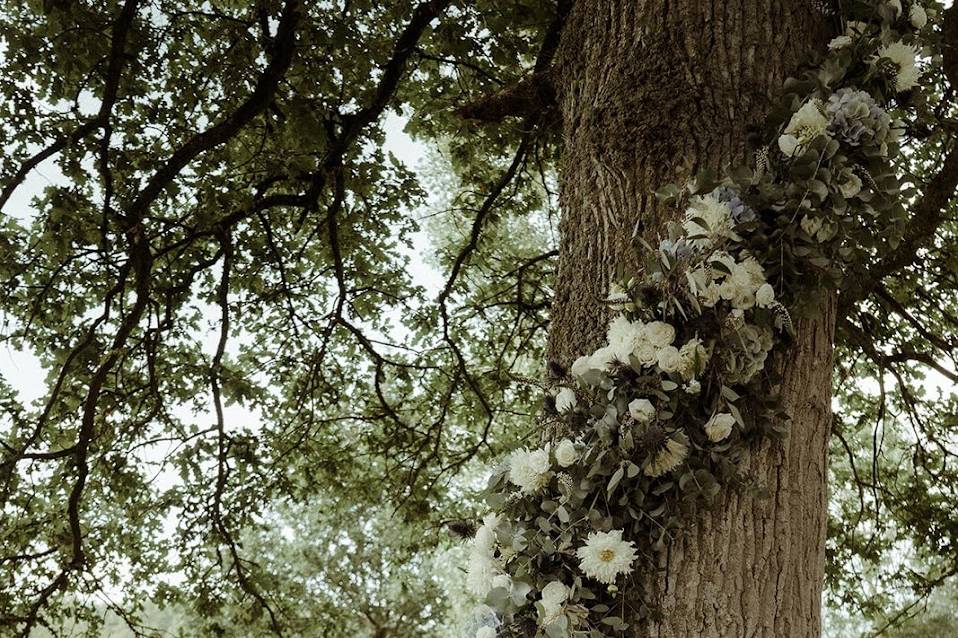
(693, 386)
(554, 596)
(529, 471)
(659, 333)
(623, 336)
(605, 555)
(565, 400)
(765, 296)
(642, 410)
(917, 16)
(694, 358)
(807, 124)
(715, 220)
(840, 42)
(483, 566)
(486, 632)
(502, 581)
(669, 359)
(566, 453)
(903, 57)
(851, 184)
(719, 426)
(669, 457)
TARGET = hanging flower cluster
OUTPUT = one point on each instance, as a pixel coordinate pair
(657, 419)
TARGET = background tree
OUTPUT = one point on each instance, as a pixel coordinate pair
(225, 228)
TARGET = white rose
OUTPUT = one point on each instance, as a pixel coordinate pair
(565, 400)
(840, 42)
(669, 359)
(566, 453)
(917, 16)
(765, 296)
(659, 333)
(582, 366)
(642, 410)
(645, 352)
(719, 426)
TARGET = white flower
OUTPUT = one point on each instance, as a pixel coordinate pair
(483, 567)
(693, 386)
(529, 471)
(566, 453)
(624, 336)
(903, 57)
(806, 125)
(917, 16)
(503, 581)
(669, 359)
(719, 426)
(856, 29)
(896, 5)
(694, 358)
(565, 400)
(706, 220)
(669, 457)
(553, 596)
(659, 333)
(765, 296)
(642, 410)
(486, 632)
(850, 185)
(840, 42)
(605, 555)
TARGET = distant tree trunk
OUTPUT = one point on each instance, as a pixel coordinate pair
(650, 92)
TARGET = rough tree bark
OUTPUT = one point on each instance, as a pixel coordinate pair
(651, 91)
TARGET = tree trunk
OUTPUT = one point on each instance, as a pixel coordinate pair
(650, 92)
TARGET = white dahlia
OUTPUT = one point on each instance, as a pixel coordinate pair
(605, 555)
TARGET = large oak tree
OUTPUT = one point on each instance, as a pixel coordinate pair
(224, 225)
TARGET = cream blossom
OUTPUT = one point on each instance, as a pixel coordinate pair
(707, 220)
(840, 42)
(807, 124)
(903, 57)
(671, 455)
(765, 296)
(642, 410)
(483, 566)
(605, 555)
(659, 333)
(917, 16)
(565, 400)
(669, 359)
(693, 387)
(719, 426)
(554, 596)
(566, 454)
(529, 471)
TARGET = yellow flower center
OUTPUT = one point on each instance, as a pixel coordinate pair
(606, 555)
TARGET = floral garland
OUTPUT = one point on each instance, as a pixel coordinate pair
(663, 413)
